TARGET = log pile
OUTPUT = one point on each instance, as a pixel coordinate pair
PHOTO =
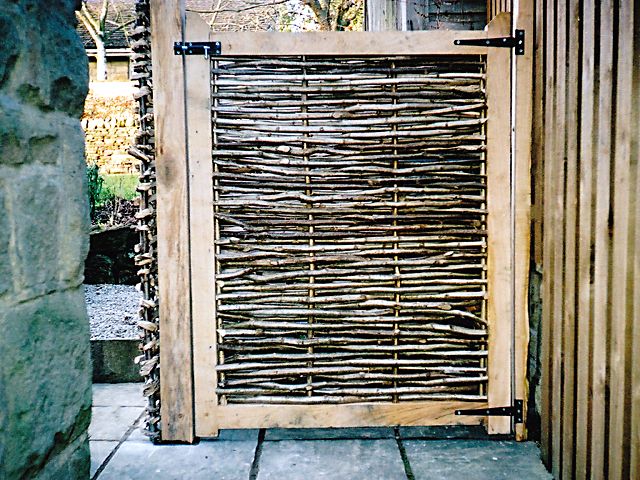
(350, 217)
(146, 258)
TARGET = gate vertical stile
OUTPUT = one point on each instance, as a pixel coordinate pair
(202, 229)
(499, 313)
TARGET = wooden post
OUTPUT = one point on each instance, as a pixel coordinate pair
(498, 225)
(176, 374)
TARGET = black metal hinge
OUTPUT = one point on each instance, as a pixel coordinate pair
(516, 411)
(197, 48)
(516, 42)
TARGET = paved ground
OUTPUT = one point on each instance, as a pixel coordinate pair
(119, 451)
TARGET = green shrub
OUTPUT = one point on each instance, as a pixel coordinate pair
(118, 186)
(95, 181)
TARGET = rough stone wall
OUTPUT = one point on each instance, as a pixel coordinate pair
(110, 125)
(45, 370)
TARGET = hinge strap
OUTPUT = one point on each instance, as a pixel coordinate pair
(516, 42)
(516, 411)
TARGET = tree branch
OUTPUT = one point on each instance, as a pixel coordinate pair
(238, 10)
(87, 21)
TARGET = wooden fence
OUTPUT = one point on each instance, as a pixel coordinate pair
(586, 126)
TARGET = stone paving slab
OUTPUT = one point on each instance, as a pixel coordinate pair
(111, 423)
(474, 459)
(329, 433)
(100, 450)
(118, 395)
(476, 432)
(331, 460)
(139, 459)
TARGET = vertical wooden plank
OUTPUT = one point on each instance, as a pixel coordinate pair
(523, 130)
(634, 389)
(199, 141)
(588, 94)
(558, 205)
(571, 14)
(602, 245)
(623, 178)
(548, 289)
(539, 92)
(498, 224)
(176, 383)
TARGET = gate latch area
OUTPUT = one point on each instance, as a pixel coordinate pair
(516, 411)
(197, 48)
(516, 42)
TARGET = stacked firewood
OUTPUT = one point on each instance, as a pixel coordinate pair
(146, 259)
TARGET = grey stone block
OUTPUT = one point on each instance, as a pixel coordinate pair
(70, 461)
(46, 346)
(6, 278)
(474, 459)
(335, 459)
(206, 460)
(111, 423)
(36, 201)
(45, 371)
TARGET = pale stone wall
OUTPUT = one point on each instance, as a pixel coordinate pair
(45, 371)
(110, 124)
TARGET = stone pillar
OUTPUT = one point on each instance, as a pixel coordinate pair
(45, 374)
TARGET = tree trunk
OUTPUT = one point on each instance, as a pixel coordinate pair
(101, 60)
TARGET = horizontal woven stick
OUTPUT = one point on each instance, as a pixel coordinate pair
(346, 365)
(285, 400)
(230, 113)
(407, 127)
(372, 376)
(356, 78)
(353, 113)
(354, 275)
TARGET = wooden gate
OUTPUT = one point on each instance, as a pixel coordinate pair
(334, 250)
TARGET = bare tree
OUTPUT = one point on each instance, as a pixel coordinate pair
(100, 26)
(331, 15)
(336, 15)
(239, 15)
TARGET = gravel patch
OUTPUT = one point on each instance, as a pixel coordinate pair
(113, 311)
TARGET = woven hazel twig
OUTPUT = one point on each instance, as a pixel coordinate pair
(145, 258)
(350, 209)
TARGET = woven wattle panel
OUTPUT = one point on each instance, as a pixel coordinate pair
(350, 229)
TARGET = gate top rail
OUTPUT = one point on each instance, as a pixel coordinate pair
(434, 42)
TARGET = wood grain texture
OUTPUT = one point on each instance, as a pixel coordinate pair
(590, 284)
(438, 42)
(199, 141)
(585, 240)
(176, 385)
(547, 139)
(355, 415)
(499, 276)
(523, 175)
(624, 179)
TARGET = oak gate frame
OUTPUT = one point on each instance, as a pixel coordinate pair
(189, 406)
